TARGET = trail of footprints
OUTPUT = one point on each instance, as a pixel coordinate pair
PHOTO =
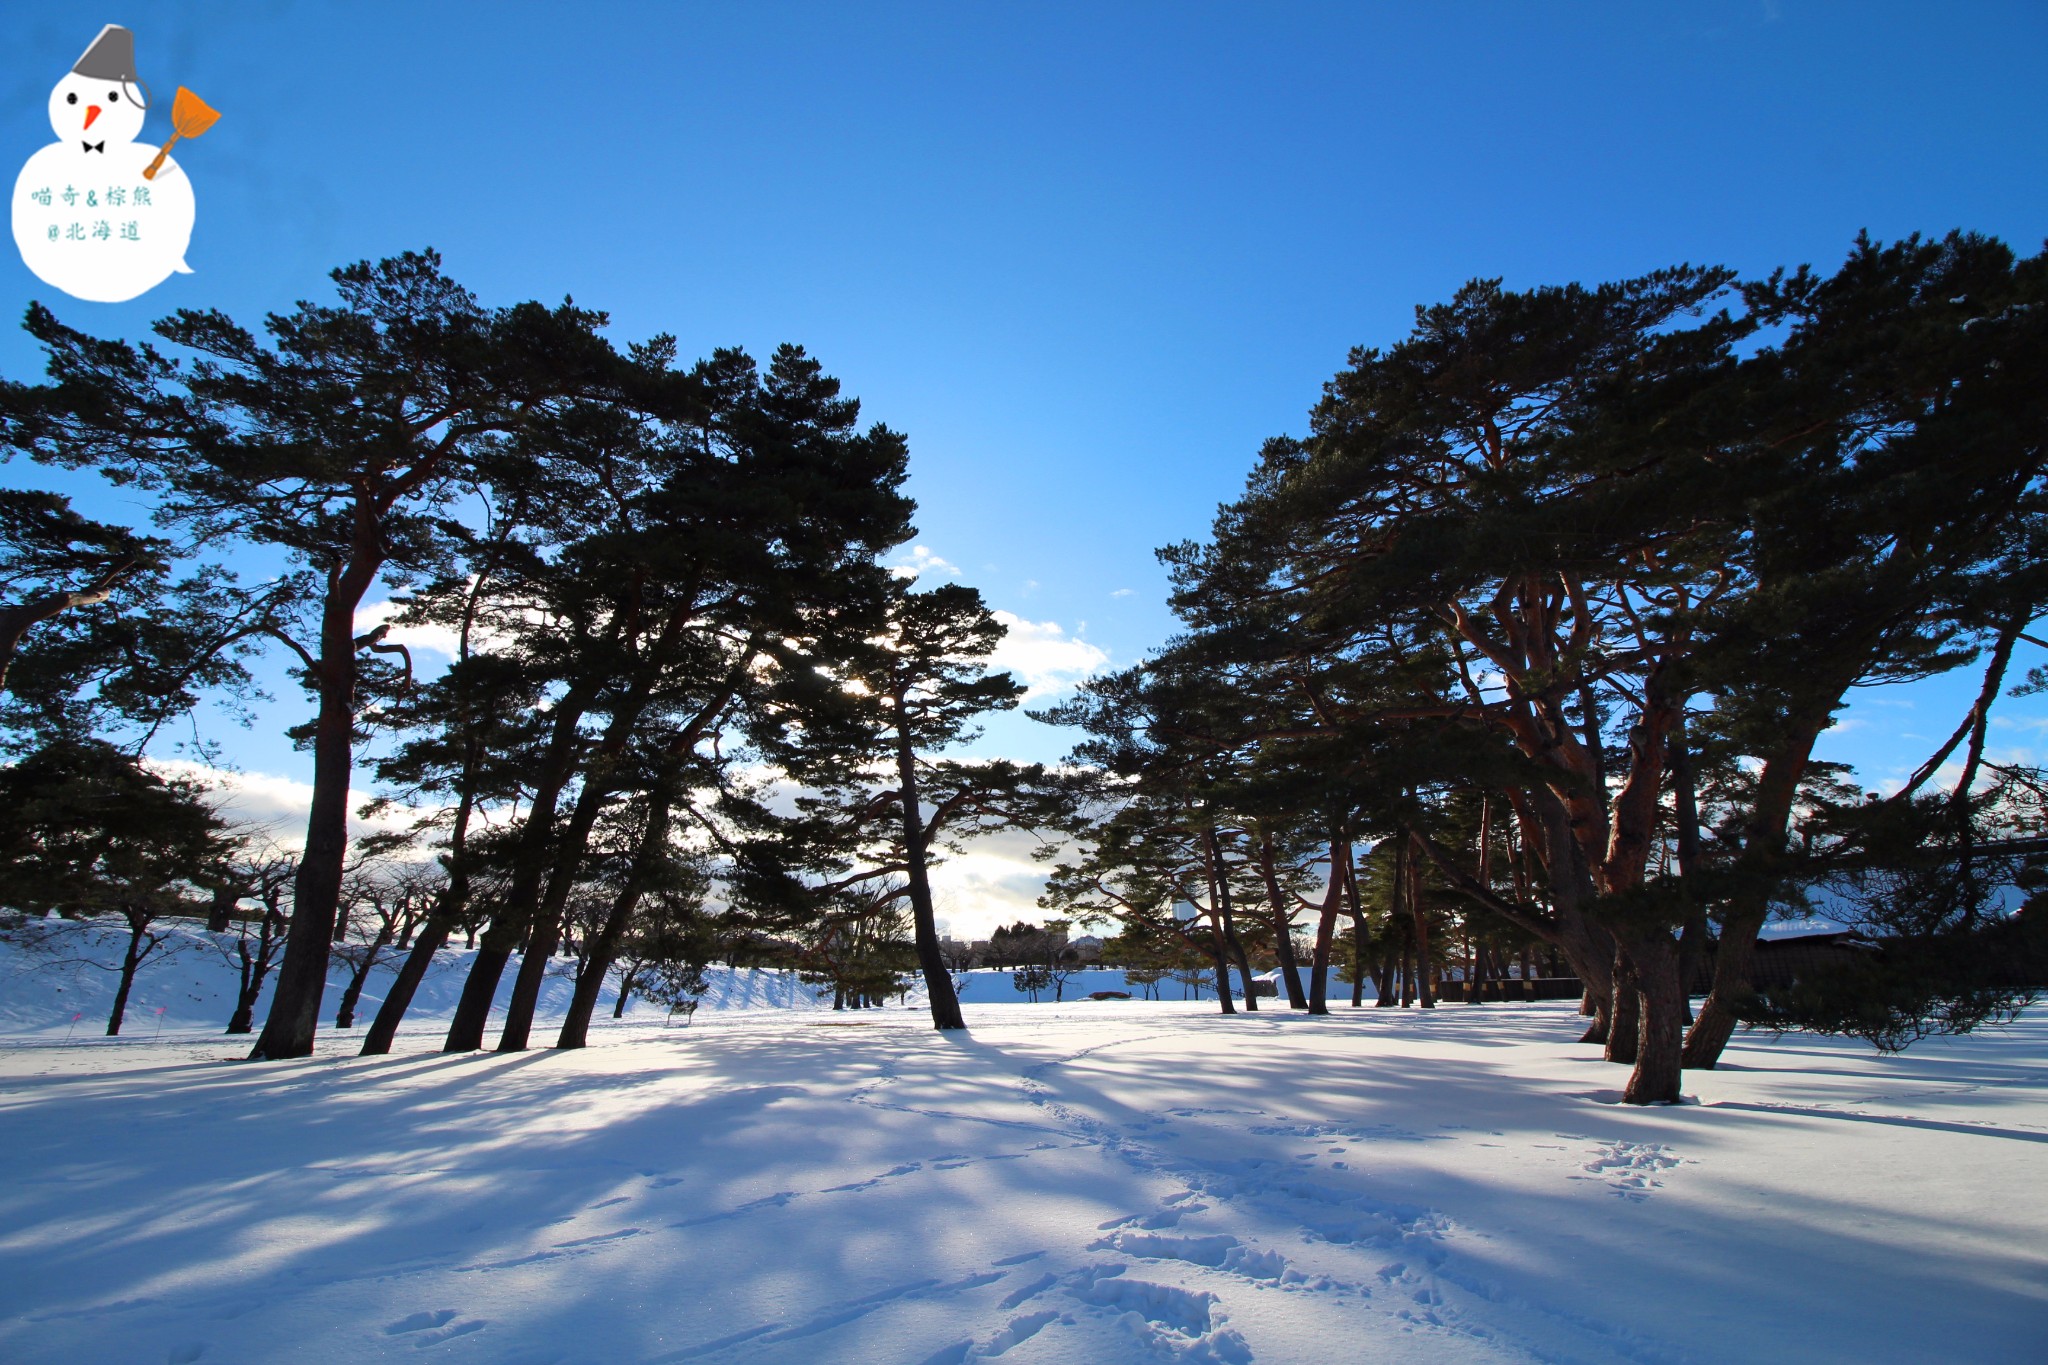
(1402, 1263)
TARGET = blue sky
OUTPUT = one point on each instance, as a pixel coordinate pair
(1087, 257)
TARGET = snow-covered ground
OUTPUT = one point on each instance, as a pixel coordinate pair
(1119, 1181)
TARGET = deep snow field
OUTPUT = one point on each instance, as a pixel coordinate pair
(1120, 1181)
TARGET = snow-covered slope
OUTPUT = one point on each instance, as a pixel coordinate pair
(193, 981)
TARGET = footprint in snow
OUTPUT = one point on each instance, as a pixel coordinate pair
(430, 1327)
(601, 1238)
(1166, 1320)
(1630, 1169)
(1026, 1292)
(1016, 1330)
(420, 1321)
(872, 1181)
(1010, 1335)
(1218, 1251)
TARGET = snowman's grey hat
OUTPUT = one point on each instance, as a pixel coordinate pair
(112, 58)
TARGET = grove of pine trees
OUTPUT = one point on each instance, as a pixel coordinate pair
(665, 587)
(1551, 607)
(1521, 655)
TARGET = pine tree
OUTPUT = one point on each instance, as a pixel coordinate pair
(342, 442)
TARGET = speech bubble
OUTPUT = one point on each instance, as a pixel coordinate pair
(89, 224)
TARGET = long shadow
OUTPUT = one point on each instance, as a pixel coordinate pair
(1893, 1120)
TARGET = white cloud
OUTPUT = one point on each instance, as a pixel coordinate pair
(921, 561)
(995, 882)
(438, 640)
(1044, 657)
(1122, 592)
(274, 805)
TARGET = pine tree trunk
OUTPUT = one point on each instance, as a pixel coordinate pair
(440, 921)
(1661, 1039)
(316, 890)
(1326, 932)
(397, 1000)
(480, 990)
(1361, 938)
(1218, 948)
(1244, 968)
(1218, 956)
(1762, 848)
(1424, 985)
(1597, 1007)
(345, 1013)
(551, 913)
(1692, 937)
(1360, 972)
(532, 974)
(626, 983)
(1692, 949)
(1283, 938)
(938, 982)
(130, 960)
(1624, 1033)
(532, 864)
(603, 948)
(248, 986)
(1230, 938)
(1587, 946)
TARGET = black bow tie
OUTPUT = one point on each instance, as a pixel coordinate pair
(96, 146)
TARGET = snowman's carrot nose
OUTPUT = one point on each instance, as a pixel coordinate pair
(92, 111)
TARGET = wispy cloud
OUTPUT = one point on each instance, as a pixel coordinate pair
(1121, 592)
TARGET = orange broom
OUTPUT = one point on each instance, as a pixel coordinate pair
(190, 116)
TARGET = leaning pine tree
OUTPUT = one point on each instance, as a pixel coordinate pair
(342, 441)
(916, 689)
